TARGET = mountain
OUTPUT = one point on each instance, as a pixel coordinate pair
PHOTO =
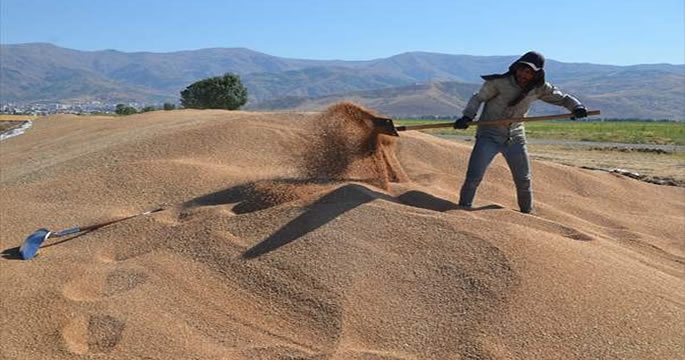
(44, 72)
(421, 99)
(414, 83)
(634, 95)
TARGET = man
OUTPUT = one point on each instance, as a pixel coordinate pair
(506, 96)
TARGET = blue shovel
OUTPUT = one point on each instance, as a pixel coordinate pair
(30, 246)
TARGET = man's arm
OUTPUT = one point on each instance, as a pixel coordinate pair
(486, 92)
(553, 95)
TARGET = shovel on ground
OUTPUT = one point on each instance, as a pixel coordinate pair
(31, 244)
(386, 126)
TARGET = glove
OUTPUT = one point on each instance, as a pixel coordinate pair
(462, 123)
(579, 112)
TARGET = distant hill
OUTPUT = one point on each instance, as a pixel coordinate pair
(424, 99)
(659, 96)
(415, 83)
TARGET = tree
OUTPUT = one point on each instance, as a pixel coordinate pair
(219, 92)
(122, 109)
(169, 106)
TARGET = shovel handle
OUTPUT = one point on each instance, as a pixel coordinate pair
(494, 123)
(69, 231)
(529, 119)
(97, 226)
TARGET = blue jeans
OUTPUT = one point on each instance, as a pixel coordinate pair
(482, 154)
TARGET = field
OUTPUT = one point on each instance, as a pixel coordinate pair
(5, 117)
(660, 164)
(629, 132)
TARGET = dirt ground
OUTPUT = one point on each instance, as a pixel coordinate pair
(652, 166)
(661, 165)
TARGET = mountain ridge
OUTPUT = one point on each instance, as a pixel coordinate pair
(43, 72)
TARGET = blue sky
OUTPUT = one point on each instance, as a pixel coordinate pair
(618, 32)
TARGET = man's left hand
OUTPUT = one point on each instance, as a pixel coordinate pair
(462, 123)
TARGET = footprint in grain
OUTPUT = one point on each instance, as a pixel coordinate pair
(97, 285)
(97, 333)
(564, 230)
(93, 334)
(561, 229)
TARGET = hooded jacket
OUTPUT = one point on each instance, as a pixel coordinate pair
(503, 98)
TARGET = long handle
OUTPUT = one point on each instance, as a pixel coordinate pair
(97, 226)
(494, 123)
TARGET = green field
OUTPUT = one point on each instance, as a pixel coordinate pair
(629, 132)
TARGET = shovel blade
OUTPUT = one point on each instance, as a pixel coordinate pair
(385, 126)
(29, 248)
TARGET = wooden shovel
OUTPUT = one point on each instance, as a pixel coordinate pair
(390, 129)
(31, 244)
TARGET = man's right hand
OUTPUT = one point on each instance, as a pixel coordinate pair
(462, 123)
(579, 112)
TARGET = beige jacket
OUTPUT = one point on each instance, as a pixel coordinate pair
(496, 95)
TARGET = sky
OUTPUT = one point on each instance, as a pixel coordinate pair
(615, 32)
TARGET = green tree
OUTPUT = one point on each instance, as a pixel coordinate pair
(148, 108)
(122, 109)
(169, 106)
(219, 92)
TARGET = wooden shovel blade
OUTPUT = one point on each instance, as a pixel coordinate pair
(385, 126)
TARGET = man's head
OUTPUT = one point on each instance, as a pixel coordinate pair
(533, 59)
(524, 74)
(528, 69)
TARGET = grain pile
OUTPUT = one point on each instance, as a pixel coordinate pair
(305, 236)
